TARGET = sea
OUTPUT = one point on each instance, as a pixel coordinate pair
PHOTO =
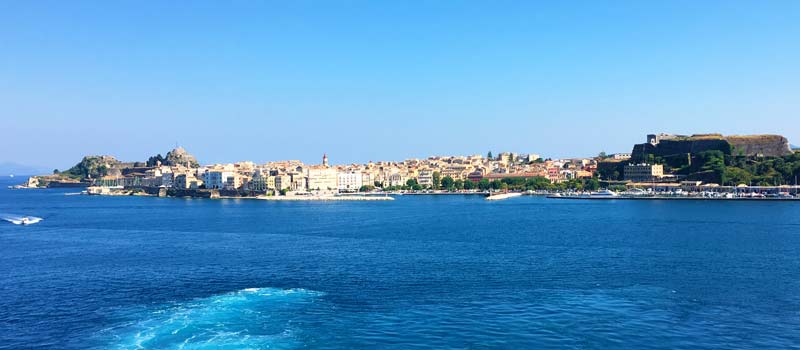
(419, 272)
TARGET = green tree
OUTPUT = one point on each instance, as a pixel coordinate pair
(484, 184)
(155, 160)
(489, 155)
(411, 182)
(469, 185)
(458, 184)
(737, 176)
(448, 182)
(592, 184)
(56, 172)
(378, 184)
(437, 180)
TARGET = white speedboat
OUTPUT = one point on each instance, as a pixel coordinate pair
(30, 220)
(25, 220)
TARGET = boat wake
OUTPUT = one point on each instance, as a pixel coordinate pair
(20, 220)
(253, 318)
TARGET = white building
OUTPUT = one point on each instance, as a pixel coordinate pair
(218, 179)
(621, 156)
(396, 179)
(350, 181)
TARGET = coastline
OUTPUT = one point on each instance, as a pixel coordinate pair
(674, 198)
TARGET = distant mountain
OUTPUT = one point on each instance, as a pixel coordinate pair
(794, 147)
(11, 168)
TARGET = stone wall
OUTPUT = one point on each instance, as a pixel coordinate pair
(760, 145)
(751, 145)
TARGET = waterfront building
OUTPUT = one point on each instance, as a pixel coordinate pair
(187, 181)
(235, 181)
(322, 178)
(476, 176)
(299, 181)
(643, 172)
(281, 182)
(258, 182)
(218, 179)
(425, 178)
(350, 181)
(396, 179)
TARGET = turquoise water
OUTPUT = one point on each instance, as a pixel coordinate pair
(421, 272)
(253, 318)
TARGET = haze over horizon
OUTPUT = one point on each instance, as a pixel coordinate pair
(365, 81)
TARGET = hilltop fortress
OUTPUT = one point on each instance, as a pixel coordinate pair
(667, 145)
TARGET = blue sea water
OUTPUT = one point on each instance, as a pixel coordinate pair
(420, 272)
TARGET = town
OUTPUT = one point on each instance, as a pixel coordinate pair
(756, 165)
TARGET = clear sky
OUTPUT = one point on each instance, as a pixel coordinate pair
(387, 80)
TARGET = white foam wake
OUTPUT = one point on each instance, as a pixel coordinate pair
(252, 318)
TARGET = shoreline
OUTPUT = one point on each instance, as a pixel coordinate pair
(668, 198)
(322, 198)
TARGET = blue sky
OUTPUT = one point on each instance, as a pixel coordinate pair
(388, 80)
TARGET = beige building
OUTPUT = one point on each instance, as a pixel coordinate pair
(187, 181)
(280, 182)
(322, 178)
(425, 178)
(643, 172)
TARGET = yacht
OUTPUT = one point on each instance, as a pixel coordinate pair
(603, 194)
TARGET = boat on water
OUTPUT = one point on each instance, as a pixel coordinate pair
(603, 194)
(497, 197)
(29, 220)
(25, 220)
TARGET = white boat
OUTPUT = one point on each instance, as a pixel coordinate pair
(501, 196)
(603, 194)
(25, 220)
(30, 220)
